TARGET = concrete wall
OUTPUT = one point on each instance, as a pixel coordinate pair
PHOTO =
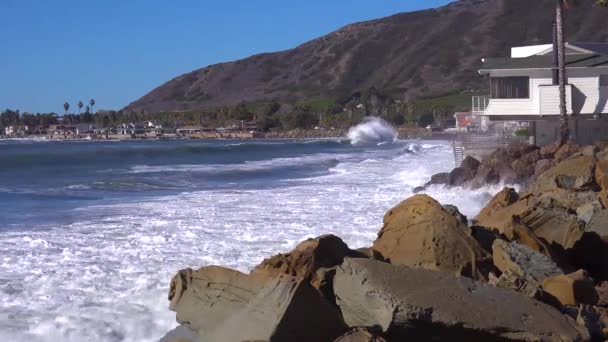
(589, 131)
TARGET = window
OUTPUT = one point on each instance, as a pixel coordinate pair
(510, 87)
(603, 80)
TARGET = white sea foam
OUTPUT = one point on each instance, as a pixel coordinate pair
(372, 130)
(105, 277)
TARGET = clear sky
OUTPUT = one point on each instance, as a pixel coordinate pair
(117, 50)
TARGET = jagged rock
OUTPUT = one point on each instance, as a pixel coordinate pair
(601, 173)
(525, 166)
(577, 173)
(465, 173)
(485, 237)
(440, 178)
(180, 334)
(548, 151)
(572, 289)
(410, 304)
(510, 280)
(566, 151)
(532, 267)
(309, 256)
(419, 232)
(603, 197)
(586, 211)
(599, 223)
(360, 335)
(501, 200)
(553, 224)
(225, 305)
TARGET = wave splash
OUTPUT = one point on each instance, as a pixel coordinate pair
(372, 130)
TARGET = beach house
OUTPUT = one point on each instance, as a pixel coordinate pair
(522, 89)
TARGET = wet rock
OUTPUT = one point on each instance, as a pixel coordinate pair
(419, 232)
(465, 173)
(410, 304)
(588, 317)
(213, 301)
(532, 267)
(440, 178)
(453, 210)
(309, 256)
(572, 289)
(360, 335)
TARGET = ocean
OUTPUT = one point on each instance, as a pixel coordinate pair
(92, 231)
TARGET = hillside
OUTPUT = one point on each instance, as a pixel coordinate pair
(409, 55)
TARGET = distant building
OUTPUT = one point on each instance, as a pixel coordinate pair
(14, 130)
(522, 89)
(131, 128)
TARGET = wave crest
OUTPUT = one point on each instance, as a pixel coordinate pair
(372, 130)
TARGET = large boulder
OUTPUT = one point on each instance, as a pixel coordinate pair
(309, 256)
(576, 173)
(553, 224)
(572, 289)
(465, 173)
(410, 304)
(225, 305)
(419, 232)
(501, 200)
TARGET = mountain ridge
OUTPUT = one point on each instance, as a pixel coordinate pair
(441, 47)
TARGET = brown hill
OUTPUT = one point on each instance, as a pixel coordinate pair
(417, 54)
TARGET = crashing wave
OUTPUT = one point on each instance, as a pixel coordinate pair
(372, 130)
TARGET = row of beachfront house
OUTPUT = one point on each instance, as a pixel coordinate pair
(148, 128)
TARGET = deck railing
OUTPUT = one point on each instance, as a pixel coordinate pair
(479, 104)
(483, 142)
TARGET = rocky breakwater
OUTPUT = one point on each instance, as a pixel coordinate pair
(532, 266)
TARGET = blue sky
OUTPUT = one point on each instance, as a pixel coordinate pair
(117, 50)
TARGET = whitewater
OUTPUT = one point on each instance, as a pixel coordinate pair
(88, 252)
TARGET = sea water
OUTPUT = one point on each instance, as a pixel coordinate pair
(91, 232)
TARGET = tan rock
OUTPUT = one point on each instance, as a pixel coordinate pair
(572, 289)
(309, 256)
(601, 173)
(599, 223)
(576, 173)
(410, 304)
(419, 232)
(553, 224)
(603, 197)
(503, 199)
(225, 305)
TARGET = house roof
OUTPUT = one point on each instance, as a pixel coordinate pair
(543, 62)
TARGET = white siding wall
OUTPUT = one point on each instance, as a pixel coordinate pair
(549, 99)
(587, 97)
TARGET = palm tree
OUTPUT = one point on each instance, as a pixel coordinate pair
(92, 103)
(66, 106)
(561, 66)
(87, 110)
(80, 104)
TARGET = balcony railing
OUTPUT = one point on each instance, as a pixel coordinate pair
(479, 104)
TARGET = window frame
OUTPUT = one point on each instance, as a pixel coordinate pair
(516, 85)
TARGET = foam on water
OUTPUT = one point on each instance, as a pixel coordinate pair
(105, 277)
(372, 131)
